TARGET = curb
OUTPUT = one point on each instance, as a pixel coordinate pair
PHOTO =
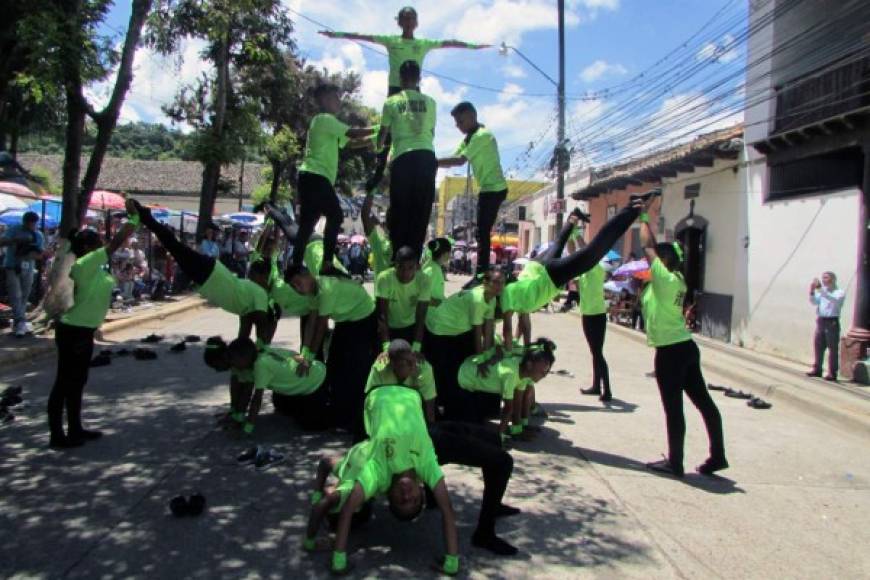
(850, 410)
(184, 305)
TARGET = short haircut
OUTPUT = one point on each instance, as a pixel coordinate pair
(324, 89)
(261, 267)
(398, 347)
(243, 347)
(406, 254)
(463, 107)
(439, 247)
(407, 10)
(30, 217)
(410, 71)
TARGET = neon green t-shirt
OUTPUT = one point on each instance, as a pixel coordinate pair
(275, 370)
(93, 287)
(326, 135)
(343, 300)
(235, 295)
(292, 303)
(382, 250)
(533, 290)
(401, 49)
(590, 286)
(662, 305)
(402, 299)
(435, 273)
(313, 258)
(502, 379)
(398, 440)
(423, 382)
(460, 313)
(481, 150)
(410, 117)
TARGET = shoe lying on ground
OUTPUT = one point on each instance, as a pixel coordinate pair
(122, 352)
(713, 387)
(248, 455)
(144, 354)
(737, 394)
(664, 465)
(268, 458)
(192, 338)
(179, 347)
(101, 360)
(564, 373)
(711, 466)
(195, 504)
(757, 403)
(152, 338)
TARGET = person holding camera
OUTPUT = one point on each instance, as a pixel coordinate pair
(828, 300)
(24, 245)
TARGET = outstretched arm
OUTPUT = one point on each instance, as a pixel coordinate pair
(448, 518)
(647, 239)
(451, 161)
(349, 36)
(368, 220)
(356, 499)
(461, 44)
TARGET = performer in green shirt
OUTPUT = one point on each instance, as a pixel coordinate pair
(593, 310)
(74, 335)
(405, 47)
(396, 461)
(433, 268)
(402, 294)
(408, 118)
(402, 366)
(379, 241)
(507, 378)
(480, 149)
(677, 359)
(317, 196)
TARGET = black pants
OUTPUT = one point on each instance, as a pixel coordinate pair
(595, 328)
(311, 412)
(678, 369)
(563, 269)
(412, 192)
(198, 267)
(488, 203)
(405, 333)
(475, 406)
(317, 198)
(75, 346)
(446, 354)
(476, 446)
(381, 159)
(827, 337)
(352, 352)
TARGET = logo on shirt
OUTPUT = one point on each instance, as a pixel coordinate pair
(412, 106)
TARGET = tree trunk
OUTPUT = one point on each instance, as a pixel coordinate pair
(75, 126)
(108, 117)
(276, 180)
(211, 173)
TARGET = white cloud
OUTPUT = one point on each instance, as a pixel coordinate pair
(724, 51)
(601, 68)
(513, 71)
(507, 20)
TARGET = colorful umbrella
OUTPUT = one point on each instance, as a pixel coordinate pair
(17, 190)
(631, 268)
(14, 216)
(101, 199)
(244, 218)
(10, 202)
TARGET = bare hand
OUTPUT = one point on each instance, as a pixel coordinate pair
(816, 283)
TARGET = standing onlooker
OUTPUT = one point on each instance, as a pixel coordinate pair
(829, 301)
(209, 245)
(24, 245)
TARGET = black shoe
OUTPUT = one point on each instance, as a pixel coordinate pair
(86, 435)
(179, 506)
(101, 360)
(711, 466)
(665, 466)
(64, 442)
(179, 347)
(593, 391)
(489, 541)
(195, 504)
(581, 215)
(192, 338)
(606, 397)
(815, 373)
(152, 338)
(645, 196)
(144, 213)
(144, 354)
(832, 378)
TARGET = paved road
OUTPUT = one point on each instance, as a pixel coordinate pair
(795, 504)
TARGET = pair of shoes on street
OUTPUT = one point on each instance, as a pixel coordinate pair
(193, 505)
(593, 391)
(709, 467)
(74, 439)
(261, 457)
(817, 373)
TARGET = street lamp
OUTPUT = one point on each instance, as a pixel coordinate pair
(559, 152)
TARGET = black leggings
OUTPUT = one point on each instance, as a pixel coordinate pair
(352, 352)
(317, 198)
(563, 269)
(594, 328)
(198, 267)
(488, 203)
(446, 354)
(476, 446)
(678, 369)
(412, 191)
(75, 346)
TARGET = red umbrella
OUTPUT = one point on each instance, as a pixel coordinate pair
(101, 199)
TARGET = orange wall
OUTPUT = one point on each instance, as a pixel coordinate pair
(598, 212)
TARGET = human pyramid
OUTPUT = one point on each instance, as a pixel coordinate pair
(412, 374)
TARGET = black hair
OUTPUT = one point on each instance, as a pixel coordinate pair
(294, 270)
(406, 10)
(439, 247)
(243, 347)
(667, 253)
(215, 354)
(261, 267)
(463, 107)
(324, 89)
(409, 517)
(540, 350)
(30, 217)
(409, 71)
(405, 254)
(84, 241)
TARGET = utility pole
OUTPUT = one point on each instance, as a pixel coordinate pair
(560, 143)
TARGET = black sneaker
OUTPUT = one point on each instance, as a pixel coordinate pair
(814, 373)
(179, 347)
(248, 455)
(711, 466)
(581, 215)
(151, 338)
(645, 197)
(592, 391)
(267, 459)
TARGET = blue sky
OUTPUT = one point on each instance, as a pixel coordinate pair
(608, 42)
